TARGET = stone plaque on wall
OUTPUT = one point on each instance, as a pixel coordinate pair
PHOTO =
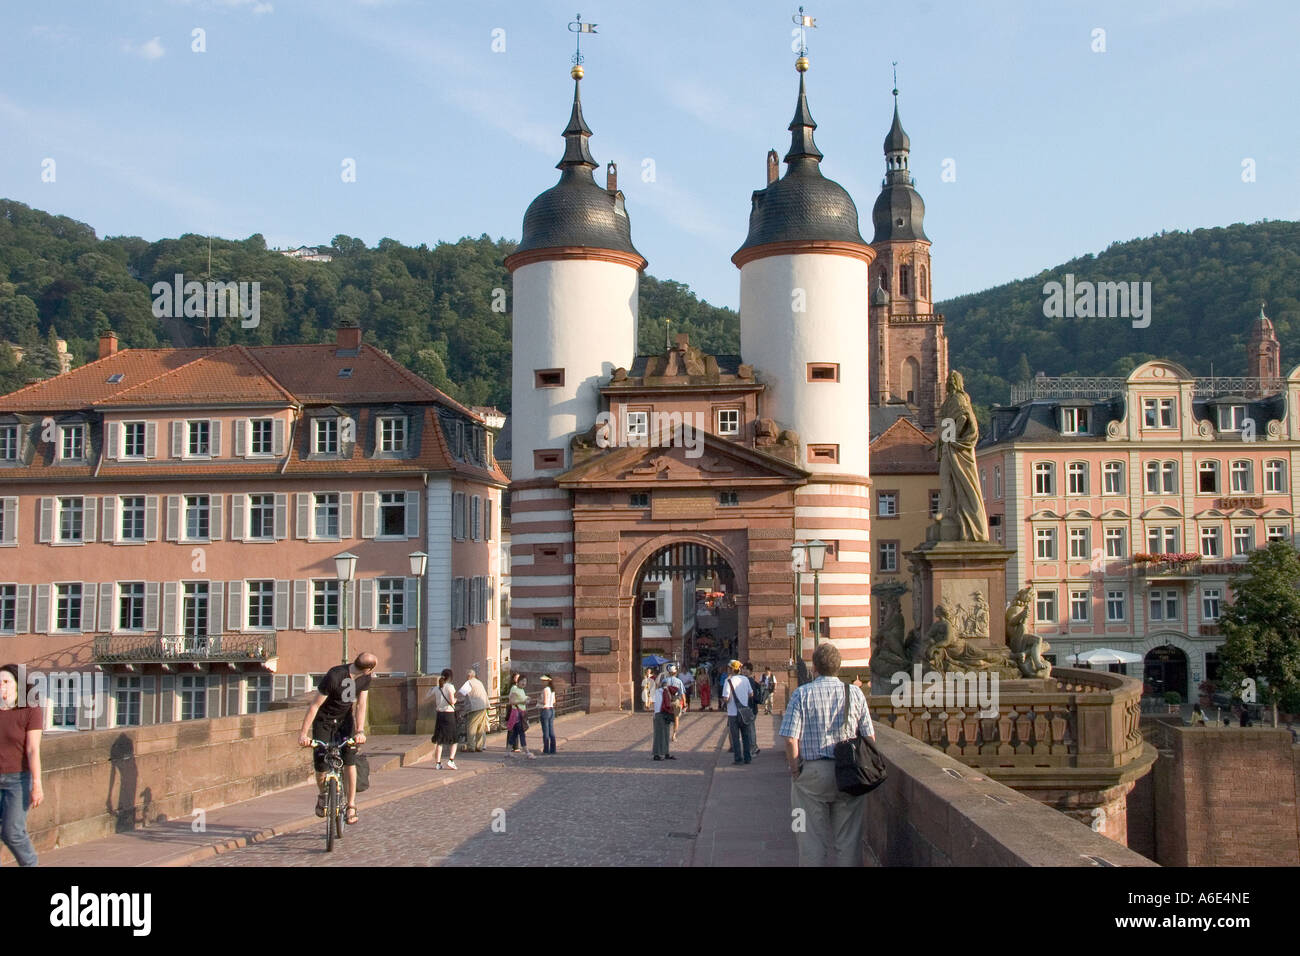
(664, 507)
(597, 645)
(967, 601)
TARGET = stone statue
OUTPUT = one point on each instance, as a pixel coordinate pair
(888, 649)
(947, 651)
(977, 618)
(961, 506)
(1027, 650)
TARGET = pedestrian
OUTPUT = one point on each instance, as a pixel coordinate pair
(1198, 716)
(444, 732)
(755, 698)
(20, 764)
(702, 682)
(814, 723)
(548, 715)
(736, 694)
(688, 681)
(517, 722)
(664, 715)
(474, 692)
(768, 683)
(648, 690)
(679, 699)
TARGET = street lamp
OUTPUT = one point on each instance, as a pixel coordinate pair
(419, 561)
(1076, 655)
(816, 561)
(345, 566)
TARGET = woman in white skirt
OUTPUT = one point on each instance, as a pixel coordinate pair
(444, 732)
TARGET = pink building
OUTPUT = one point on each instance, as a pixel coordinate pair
(170, 518)
(1130, 502)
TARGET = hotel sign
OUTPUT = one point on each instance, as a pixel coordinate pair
(1230, 503)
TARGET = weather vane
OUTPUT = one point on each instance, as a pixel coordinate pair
(577, 26)
(804, 24)
(895, 78)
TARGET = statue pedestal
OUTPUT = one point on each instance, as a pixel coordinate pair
(970, 579)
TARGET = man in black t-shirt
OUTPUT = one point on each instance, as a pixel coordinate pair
(338, 712)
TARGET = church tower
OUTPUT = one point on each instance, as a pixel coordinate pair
(909, 344)
(576, 276)
(1263, 351)
(804, 271)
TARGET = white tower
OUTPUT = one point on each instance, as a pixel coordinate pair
(576, 276)
(803, 326)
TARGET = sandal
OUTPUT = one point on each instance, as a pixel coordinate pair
(321, 803)
(351, 816)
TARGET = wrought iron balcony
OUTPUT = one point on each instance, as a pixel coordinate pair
(1101, 388)
(150, 648)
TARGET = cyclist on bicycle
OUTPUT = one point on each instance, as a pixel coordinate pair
(337, 712)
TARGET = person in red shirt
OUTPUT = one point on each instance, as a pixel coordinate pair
(20, 764)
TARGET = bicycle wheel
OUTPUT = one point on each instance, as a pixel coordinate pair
(331, 814)
(338, 820)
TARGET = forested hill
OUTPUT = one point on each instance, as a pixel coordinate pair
(1206, 287)
(435, 309)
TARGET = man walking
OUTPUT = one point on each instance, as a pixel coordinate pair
(768, 683)
(665, 715)
(477, 711)
(737, 694)
(813, 725)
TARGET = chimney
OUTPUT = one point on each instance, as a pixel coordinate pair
(349, 338)
(108, 344)
(773, 167)
(611, 178)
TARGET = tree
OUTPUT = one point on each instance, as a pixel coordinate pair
(1261, 626)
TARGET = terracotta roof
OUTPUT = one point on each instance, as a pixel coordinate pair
(88, 385)
(227, 376)
(903, 449)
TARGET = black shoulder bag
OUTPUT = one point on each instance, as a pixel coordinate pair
(859, 767)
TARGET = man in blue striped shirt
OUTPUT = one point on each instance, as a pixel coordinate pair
(814, 723)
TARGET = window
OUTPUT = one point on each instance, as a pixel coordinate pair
(392, 435)
(195, 611)
(1079, 549)
(1207, 478)
(636, 426)
(548, 378)
(8, 442)
(1277, 532)
(1162, 477)
(130, 607)
(257, 692)
(888, 555)
(63, 691)
(131, 525)
(650, 605)
(325, 603)
(1210, 543)
(548, 458)
(887, 504)
(8, 607)
(1158, 412)
(261, 606)
(1045, 606)
(392, 602)
(1112, 478)
(67, 607)
(325, 436)
(1044, 478)
(1231, 417)
(1115, 543)
(1164, 605)
(1115, 606)
(392, 514)
(1241, 477)
(260, 441)
(200, 439)
(639, 499)
(261, 517)
(824, 454)
(326, 514)
(1243, 541)
(72, 442)
(1045, 544)
(1275, 476)
(729, 499)
(194, 696)
(548, 622)
(904, 280)
(1076, 478)
(823, 372)
(934, 504)
(197, 514)
(126, 691)
(71, 517)
(997, 481)
(729, 422)
(1162, 540)
(1079, 602)
(1210, 602)
(1074, 421)
(133, 440)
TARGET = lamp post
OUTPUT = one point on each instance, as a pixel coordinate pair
(799, 563)
(816, 561)
(345, 566)
(1076, 655)
(419, 561)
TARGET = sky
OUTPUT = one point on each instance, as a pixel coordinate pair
(1063, 126)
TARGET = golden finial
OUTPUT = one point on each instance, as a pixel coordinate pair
(801, 64)
(576, 72)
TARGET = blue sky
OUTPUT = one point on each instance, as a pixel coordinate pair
(1058, 150)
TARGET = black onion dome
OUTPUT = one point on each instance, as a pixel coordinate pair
(899, 212)
(802, 204)
(576, 211)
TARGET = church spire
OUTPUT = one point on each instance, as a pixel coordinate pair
(801, 127)
(576, 134)
(897, 147)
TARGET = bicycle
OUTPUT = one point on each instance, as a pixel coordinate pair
(334, 809)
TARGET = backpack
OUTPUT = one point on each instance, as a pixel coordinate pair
(669, 704)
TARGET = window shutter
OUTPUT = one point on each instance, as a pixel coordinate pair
(178, 439)
(151, 606)
(214, 517)
(88, 592)
(464, 518)
(46, 533)
(412, 514)
(173, 517)
(85, 717)
(277, 437)
(366, 602)
(88, 518)
(23, 609)
(111, 439)
(167, 699)
(491, 597)
(214, 437)
(241, 438)
(42, 609)
(151, 439)
(215, 607)
(458, 603)
(458, 515)
(345, 514)
(170, 619)
(301, 684)
(10, 506)
(106, 622)
(369, 503)
(300, 605)
(279, 686)
(214, 695)
(281, 516)
(474, 516)
(234, 606)
(280, 608)
(234, 695)
(302, 525)
(412, 602)
(464, 602)
(237, 522)
(151, 518)
(487, 519)
(108, 515)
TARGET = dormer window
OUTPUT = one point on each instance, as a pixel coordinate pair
(1232, 418)
(1158, 412)
(1074, 421)
(392, 435)
(325, 436)
(8, 442)
(72, 442)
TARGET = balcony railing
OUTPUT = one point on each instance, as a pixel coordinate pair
(149, 648)
(1104, 387)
